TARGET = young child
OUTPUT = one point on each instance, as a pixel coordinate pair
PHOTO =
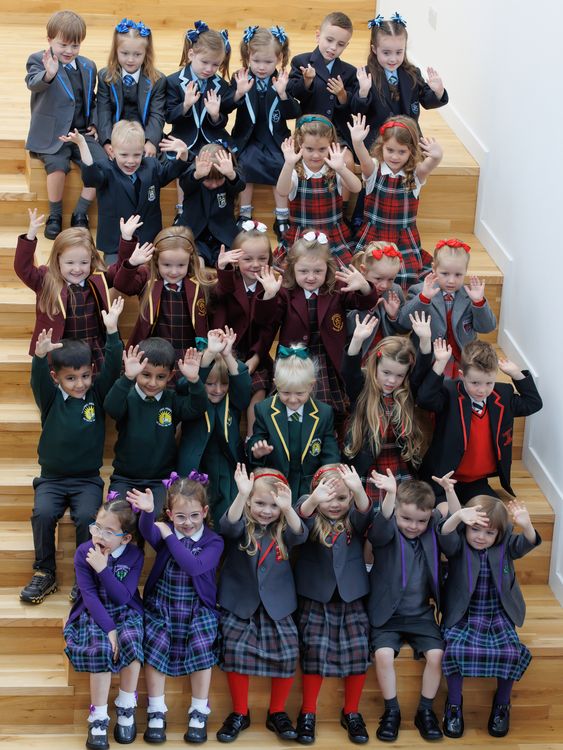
(212, 443)
(331, 583)
(383, 430)
(390, 85)
(180, 598)
(263, 106)
(321, 81)
(147, 413)
(62, 84)
(104, 631)
(130, 87)
(393, 177)
(129, 183)
(483, 604)
(171, 285)
(211, 187)
(73, 288)
(475, 418)
(70, 449)
(312, 307)
(379, 263)
(313, 178)
(293, 431)
(257, 597)
(459, 312)
(405, 577)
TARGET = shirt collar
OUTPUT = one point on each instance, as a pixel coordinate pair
(144, 395)
(295, 411)
(136, 75)
(72, 64)
(249, 287)
(308, 173)
(67, 395)
(194, 537)
(180, 284)
(389, 73)
(386, 169)
(309, 294)
(80, 283)
(330, 65)
(119, 551)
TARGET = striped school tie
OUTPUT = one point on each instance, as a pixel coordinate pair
(128, 80)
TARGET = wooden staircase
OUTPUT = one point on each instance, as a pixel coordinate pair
(43, 702)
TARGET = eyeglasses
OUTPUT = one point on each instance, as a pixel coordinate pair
(106, 534)
(181, 518)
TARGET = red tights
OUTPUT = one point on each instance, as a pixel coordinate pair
(353, 686)
(238, 686)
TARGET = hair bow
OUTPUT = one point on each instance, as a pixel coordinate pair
(377, 21)
(195, 476)
(292, 351)
(125, 25)
(250, 224)
(391, 124)
(249, 33)
(453, 242)
(200, 343)
(320, 237)
(112, 495)
(200, 28)
(388, 251)
(171, 479)
(225, 34)
(143, 30)
(398, 18)
(279, 33)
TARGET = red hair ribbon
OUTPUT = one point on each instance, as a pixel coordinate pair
(391, 124)
(389, 251)
(453, 242)
(277, 476)
(318, 473)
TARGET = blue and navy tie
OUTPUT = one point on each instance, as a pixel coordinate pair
(393, 80)
(69, 67)
(261, 85)
(202, 83)
(128, 80)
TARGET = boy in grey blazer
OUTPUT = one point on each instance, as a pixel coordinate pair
(62, 84)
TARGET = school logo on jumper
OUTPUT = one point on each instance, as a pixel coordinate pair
(221, 200)
(89, 412)
(337, 322)
(151, 195)
(120, 571)
(201, 307)
(229, 420)
(315, 449)
(164, 418)
(415, 108)
(276, 116)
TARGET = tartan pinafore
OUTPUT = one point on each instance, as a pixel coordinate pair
(174, 323)
(390, 216)
(318, 206)
(83, 321)
(484, 643)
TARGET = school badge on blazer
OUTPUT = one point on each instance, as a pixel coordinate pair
(415, 109)
(164, 418)
(221, 200)
(276, 116)
(151, 195)
(337, 322)
(89, 412)
(121, 571)
(201, 307)
(315, 448)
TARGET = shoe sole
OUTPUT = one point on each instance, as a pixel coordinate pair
(154, 742)
(194, 741)
(428, 739)
(38, 600)
(126, 742)
(387, 739)
(355, 740)
(306, 740)
(286, 736)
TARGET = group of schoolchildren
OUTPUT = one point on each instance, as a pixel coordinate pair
(318, 538)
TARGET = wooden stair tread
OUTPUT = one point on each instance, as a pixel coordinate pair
(15, 536)
(14, 187)
(40, 673)
(52, 612)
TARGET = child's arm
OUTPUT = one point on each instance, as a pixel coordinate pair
(521, 517)
(24, 264)
(113, 351)
(242, 84)
(115, 403)
(215, 344)
(432, 152)
(42, 385)
(527, 400)
(195, 403)
(433, 94)
(41, 71)
(350, 477)
(79, 140)
(244, 483)
(282, 498)
(335, 160)
(86, 579)
(442, 354)
(198, 564)
(359, 131)
(469, 516)
(389, 484)
(143, 502)
(258, 447)
(354, 281)
(363, 330)
(448, 485)
(120, 592)
(419, 298)
(291, 157)
(323, 492)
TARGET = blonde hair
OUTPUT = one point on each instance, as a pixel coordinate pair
(211, 41)
(219, 370)
(53, 282)
(369, 422)
(451, 251)
(294, 371)
(406, 134)
(148, 69)
(307, 248)
(261, 38)
(253, 234)
(495, 511)
(267, 479)
(127, 131)
(366, 257)
(174, 238)
(322, 526)
(317, 126)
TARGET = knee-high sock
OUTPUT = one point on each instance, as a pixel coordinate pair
(281, 687)
(353, 686)
(238, 685)
(311, 689)
(455, 685)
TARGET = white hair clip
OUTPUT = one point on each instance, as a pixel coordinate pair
(250, 224)
(320, 237)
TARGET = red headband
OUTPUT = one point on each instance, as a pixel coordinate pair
(391, 124)
(277, 476)
(389, 251)
(453, 242)
(318, 473)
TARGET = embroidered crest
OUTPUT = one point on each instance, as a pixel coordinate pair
(201, 307)
(276, 116)
(315, 448)
(89, 412)
(221, 200)
(151, 195)
(415, 108)
(164, 418)
(120, 571)
(196, 551)
(337, 322)
(506, 568)
(229, 420)
(467, 324)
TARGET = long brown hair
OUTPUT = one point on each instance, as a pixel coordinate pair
(210, 41)
(387, 28)
(406, 134)
(317, 126)
(267, 479)
(148, 68)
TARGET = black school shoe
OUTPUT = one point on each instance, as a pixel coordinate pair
(98, 741)
(389, 723)
(233, 725)
(453, 724)
(122, 734)
(53, 226)
(355, 726)
(426, 721)
(155, 735)
(306, 728)
(73, 593)
(280, 723)
(280, 228)
(196, 735)
(499, 720)
(42, 584)
(79, 220)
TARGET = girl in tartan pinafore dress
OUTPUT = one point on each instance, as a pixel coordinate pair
(104, 631)
(401, 163)
(383, 430)
(313, 178)
(180, 601)
(483, 604)
(257, 597)
(331, 581)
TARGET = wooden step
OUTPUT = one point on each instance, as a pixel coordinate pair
(17, 554)
(21, 622)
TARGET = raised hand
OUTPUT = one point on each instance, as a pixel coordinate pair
(520, 514)
(431, 148)
(133, 362)
(270, 281)
(335, 158)
(111, 317)
(324, 492)
(97, 559)
(129, 228)
(215, 341)
(446, 482)
(244, 83)
(189, 366)
(228, 256)
(141, 254)
(73, 137)
(92, 132)
(365, 328)
(50, 63)
(163, 528)
(279, 84)
(203, 164)
(430, 286)
(352, 279)
(36, 221)
(349, 476)
(364, 81)
(141, 500)
(391, 303)
(261, 448)
(44, 344)
(191, 95)
(224, 164)
(243, 481)
(290, 155)
(335, 86)
(229, 337)
(212, 103)
(149, 149)
(308, 74)
(359, 128)
(385, 482)
(511, 369)
(475, 289)
(420, 323)
(174, 144)
(282, 497)
(442, 350)
(435, 82)
(473, 516)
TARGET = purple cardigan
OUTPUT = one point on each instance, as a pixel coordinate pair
(121, 592)
(202, 567)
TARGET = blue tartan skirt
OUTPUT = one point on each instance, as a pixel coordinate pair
(333, 637)
(258, 646)
(484, 643)
(180, 631)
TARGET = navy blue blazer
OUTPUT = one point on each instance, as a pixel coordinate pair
(151, 103)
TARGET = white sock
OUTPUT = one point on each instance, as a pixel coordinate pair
(98, 713)
(125, 700)
(157, 704)
(198, 704)
(245, 212)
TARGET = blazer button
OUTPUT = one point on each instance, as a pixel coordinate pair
(329, 111)
(305, 337)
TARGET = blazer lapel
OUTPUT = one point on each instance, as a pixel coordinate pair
(184, 77)
(309, 427)
(299, 303)
(432, 555)
(144, 90)
(496, 414)
(319, 64)
(87, 74)
(464, 406)
(154, 301)
(323, 305)
(117, 93)
(279, 420)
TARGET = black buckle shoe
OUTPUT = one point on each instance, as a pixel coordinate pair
(280, 228)
(355, 726)
(280, 723)
(389, 723)
(197, 735)
(233, 725)
(306, 728)
(426, 722)
(79, 220)
(53, 226)
(42, 584)
(177, 219)
(125, 735)
(155, 735)
(73, 593)
(453, 724)
(98, 741)
(499, 720)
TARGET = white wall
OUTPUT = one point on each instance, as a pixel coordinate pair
(501, 63)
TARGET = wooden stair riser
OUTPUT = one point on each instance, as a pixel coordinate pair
(44, 639)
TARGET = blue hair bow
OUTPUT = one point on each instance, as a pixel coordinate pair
(196, 476)
(200, 28)
(377, 21)
(398, 18)
(200, 343)
(225, 34)
(279, 33)
(292, 351)
(143, 30)
(125, 25)
(248, 33)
